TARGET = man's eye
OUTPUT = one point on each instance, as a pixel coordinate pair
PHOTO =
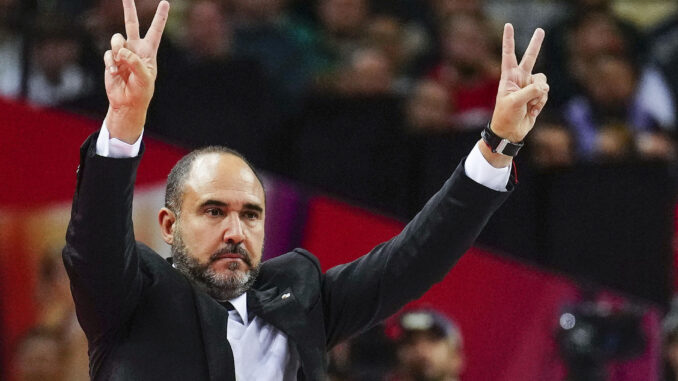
(251, 215)
(214, 212)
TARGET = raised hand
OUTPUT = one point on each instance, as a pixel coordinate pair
(521, 95)
(131, 70)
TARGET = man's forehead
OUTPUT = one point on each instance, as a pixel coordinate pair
(222, 170)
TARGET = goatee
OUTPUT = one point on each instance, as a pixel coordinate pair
(221, 286)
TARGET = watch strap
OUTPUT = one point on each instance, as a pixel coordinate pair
(498, 144)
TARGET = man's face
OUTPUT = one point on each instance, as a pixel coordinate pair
(425, 356)
(218, 237)
(38, 359)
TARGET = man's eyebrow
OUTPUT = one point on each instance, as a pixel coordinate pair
(252, 206)
(213, 203)
(248, 206)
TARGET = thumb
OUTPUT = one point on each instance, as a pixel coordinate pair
(528, 93)
(135, 65)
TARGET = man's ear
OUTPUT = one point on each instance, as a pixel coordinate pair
(167, 218)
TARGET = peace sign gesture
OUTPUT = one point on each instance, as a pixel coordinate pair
(521, 95)
(131, 70)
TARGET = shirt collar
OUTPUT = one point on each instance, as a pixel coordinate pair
(240, 305)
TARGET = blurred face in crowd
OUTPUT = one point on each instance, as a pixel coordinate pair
(371, 72)
(429, 107)
(427, 356)
(206, 29)
(343, 17)
(671, 352)
(466, 43)
(385, 32)
(39, 358)
(53, 55)
(446, 8)
(552, 146)
(612, 82)
(218, 236)
(596, 35)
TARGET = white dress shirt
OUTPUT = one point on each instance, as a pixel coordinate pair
(261, 351)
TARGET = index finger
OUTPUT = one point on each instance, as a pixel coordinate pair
(508, 50)
(154, 33)
(530, 57)
(131, 19)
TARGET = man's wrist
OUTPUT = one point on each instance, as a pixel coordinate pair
(500, 144)
(496, 160)
(125, 124)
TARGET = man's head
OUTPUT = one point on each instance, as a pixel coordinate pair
(429, 346)
(214, 220)
(39, 356)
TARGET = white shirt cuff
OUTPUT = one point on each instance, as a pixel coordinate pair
(478, 169)
(116, 148)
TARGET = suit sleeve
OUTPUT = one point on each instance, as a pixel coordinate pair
(360, 294)
(100, 253)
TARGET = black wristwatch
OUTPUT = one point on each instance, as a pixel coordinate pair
(498, 144)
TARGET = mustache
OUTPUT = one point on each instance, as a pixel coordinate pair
(233, 248)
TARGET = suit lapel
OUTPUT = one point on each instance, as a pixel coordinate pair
(214, 323)
(282, 310)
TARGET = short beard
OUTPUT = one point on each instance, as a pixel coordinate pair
(222, 287)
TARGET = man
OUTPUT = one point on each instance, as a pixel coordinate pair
(221, 314)
(39, 356)
(428, 347)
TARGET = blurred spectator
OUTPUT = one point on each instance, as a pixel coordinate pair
(370, 72)
(206, 35)
(39, 356)
(343, 24)
(402, 44)
(366, 357)
(229, 99)
(11, 46)
(428, 108)
(587, 28)
(551, 144)
(469, 68)
(56, 74)
(444, 9)
(660, 77)
(261, 32)
(609, 122)
(56, 313)
(670, 344)
(429, 347)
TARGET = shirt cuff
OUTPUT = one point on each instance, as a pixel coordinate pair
(116, 148)
(479, 170)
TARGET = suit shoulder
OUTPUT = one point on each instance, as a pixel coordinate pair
(297, 257)
(294, 267)
(156, 267)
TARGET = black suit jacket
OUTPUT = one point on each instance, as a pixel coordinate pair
(145, 321)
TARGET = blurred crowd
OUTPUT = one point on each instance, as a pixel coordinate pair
(334, 92)
(253, 65)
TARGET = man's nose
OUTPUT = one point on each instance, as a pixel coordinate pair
(233, 230)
